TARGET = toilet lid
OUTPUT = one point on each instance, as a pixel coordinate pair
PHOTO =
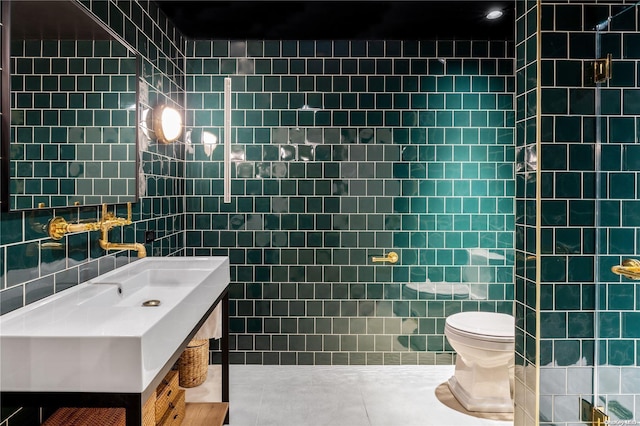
(483, 323)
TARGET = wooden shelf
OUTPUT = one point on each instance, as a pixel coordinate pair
(205, 413)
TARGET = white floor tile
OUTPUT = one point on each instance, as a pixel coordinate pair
(336, 396)
(315, 405)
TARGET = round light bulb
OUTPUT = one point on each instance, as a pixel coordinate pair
(171, 123)
(494, 14)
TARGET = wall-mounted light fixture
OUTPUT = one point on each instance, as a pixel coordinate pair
(167, 124)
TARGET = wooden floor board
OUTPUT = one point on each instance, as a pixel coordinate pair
(205, 413)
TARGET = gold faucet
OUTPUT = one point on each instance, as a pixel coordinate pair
(58, 227)
(110, 221)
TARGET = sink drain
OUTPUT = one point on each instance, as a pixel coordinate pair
(152, 302)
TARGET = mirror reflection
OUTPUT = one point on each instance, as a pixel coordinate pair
(73, 109)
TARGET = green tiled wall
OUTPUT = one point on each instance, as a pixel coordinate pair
(343, 150)
(72, 123)
(29, 270)
(571, 234)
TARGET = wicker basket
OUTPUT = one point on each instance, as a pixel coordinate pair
(193, 363)
(87, 417)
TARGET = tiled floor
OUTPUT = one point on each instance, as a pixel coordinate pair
(338, 396)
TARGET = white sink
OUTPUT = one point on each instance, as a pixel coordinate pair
(98, 337)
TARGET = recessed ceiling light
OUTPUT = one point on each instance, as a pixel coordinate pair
(494, 14)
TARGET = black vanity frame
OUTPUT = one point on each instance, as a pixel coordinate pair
(131, 402)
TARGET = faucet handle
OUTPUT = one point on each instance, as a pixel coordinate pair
(111, 216)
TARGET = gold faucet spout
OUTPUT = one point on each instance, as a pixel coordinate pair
(140, 248)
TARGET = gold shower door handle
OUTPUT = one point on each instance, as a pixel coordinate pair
(630, 268)
(391, 257)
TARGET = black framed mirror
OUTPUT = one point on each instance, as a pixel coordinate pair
(69, 135)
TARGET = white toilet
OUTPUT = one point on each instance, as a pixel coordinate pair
(484, 342)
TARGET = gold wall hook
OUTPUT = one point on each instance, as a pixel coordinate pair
(630, 268)
(391, 257)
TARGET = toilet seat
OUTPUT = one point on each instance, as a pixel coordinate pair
(485, 326)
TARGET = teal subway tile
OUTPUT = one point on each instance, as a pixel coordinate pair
(621, 352)
(611, 101)
(621, 130)
(630, 325)
(22, 263)
(39, 289)
(609, 324)
(11, 299)
(621, 241)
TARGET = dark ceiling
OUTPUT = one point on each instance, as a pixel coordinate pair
(31, 20)
(327, 20)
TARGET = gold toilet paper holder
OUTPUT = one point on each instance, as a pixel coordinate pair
(391, 257)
